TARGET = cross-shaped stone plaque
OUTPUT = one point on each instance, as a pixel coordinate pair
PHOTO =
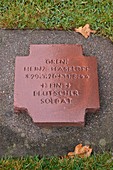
(56, 84)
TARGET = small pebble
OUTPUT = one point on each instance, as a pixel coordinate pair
(22, 135)
(102, 142)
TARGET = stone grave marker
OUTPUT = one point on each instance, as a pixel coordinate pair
(56, 85)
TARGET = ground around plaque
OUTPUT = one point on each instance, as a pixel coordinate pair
(19, 136)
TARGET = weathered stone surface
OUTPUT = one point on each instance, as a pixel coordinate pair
(56, 85)
(19, 136)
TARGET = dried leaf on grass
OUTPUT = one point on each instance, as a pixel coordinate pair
(80, 151)
(85, 31)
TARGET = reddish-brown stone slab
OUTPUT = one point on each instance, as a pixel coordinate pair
(56, 84)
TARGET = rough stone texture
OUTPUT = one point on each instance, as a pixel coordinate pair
(18, 134)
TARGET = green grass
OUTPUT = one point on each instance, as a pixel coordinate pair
(95, 162)
(58, 14)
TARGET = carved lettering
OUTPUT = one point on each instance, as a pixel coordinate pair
(56, 101)
(55, 76)
(55, 85)
(34, 68)
(57, 61)
(57, 89)
(56, 93)
(69, 69)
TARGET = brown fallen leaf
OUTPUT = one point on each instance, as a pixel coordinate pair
(71, 154)
(85, 31)
(80, 151)
(83, 151)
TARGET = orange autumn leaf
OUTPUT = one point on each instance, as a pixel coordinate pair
(83, 151)
(85, 31)
(80, 151)
(71, 154)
